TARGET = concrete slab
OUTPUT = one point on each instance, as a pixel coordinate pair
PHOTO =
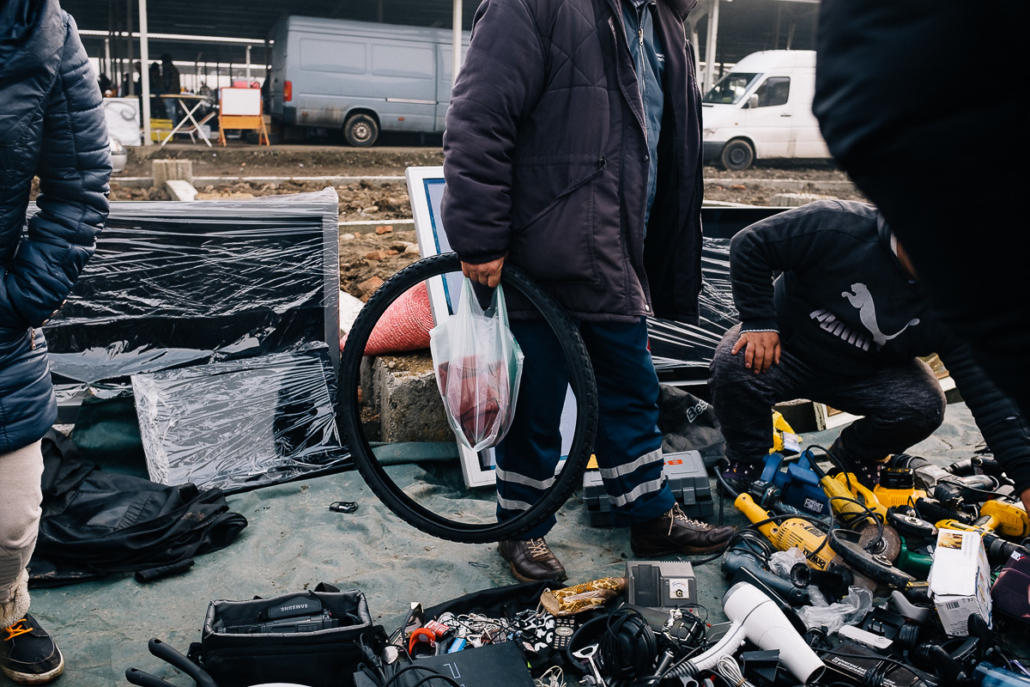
(181, 190)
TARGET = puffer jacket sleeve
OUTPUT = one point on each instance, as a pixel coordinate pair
(74, 169)
(499, 83)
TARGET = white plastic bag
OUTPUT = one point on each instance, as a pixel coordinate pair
(850, 611)
(478, 369)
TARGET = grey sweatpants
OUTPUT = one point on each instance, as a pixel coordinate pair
(21, 494)
(902, 404)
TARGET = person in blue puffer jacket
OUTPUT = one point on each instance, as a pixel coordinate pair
(51, 126)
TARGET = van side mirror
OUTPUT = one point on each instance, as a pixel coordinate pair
(752, 102)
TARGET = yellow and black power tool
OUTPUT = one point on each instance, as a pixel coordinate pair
(996, 518)
(789, 533)
(897, 487)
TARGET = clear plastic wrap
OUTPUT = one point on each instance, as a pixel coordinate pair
(851, 611)
(174, 284)
(677, 346)
(242, 424)
(478, 369)
(782, 562)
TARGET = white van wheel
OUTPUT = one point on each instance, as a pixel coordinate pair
(737, 155)
(361, 131)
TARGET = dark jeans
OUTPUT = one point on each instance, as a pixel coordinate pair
(628, 444)
(902, 404)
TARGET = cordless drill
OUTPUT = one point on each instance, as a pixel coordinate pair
(996, 517)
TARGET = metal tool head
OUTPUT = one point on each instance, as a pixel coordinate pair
(586, 653)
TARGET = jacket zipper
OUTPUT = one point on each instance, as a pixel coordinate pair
(32, 338)
(643, 67)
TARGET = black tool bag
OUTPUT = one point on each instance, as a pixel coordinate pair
(320, 658)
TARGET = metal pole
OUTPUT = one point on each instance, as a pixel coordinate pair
(710, 41)
(107, 58)
(128, 41)
(144, 56)
(456, 41)
(248, 64)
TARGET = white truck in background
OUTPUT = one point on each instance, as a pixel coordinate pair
(762, 109)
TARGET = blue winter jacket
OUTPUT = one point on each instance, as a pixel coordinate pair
(51, 126)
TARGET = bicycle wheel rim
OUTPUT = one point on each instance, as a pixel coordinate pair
(581, 378)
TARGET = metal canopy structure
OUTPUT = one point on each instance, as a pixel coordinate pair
(227, 32)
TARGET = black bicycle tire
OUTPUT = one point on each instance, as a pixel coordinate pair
(581, 377)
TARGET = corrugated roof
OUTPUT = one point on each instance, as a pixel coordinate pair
(251, 19)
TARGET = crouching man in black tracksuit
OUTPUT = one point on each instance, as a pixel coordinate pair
(843, 325)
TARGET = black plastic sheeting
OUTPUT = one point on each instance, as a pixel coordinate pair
(242, 424)
(676, 346)
(175, 284)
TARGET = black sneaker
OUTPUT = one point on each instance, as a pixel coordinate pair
(28, 655)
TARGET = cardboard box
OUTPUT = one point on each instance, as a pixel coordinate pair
(960, 580)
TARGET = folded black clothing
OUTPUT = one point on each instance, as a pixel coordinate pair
(96, 523)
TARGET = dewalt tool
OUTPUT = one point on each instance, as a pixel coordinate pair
(860, 493)
(790, 533)
(996, 518)
(844, 501)
(897, 488)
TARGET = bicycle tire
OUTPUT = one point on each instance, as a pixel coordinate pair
(581, 377)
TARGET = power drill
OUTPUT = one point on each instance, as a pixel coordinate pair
(790, 533)
(996, 517)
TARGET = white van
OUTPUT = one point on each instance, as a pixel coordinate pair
(763, 109)
(361, 76)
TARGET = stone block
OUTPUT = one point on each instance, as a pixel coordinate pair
(181, 190)
(171, 170)
(401, 390)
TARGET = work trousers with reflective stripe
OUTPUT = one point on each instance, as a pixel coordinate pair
(628, 444)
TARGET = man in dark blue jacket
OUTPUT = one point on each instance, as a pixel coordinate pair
(573, 150)
(52, 127)
(843, 324)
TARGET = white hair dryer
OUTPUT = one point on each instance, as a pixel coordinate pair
(755, 617)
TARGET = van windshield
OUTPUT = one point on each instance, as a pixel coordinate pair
(731, 88)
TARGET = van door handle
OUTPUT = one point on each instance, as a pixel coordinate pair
(784, 115)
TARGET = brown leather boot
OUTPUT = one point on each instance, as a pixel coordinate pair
(531, 560)
(673, 533)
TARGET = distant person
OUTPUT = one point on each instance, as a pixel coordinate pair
(170, 85)
(135, 89)
(105, 83)
(156, 107)
(844, 324)
(914, 123)
(573, 150)
(55, 130)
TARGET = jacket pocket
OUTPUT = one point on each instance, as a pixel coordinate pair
(556, 243)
